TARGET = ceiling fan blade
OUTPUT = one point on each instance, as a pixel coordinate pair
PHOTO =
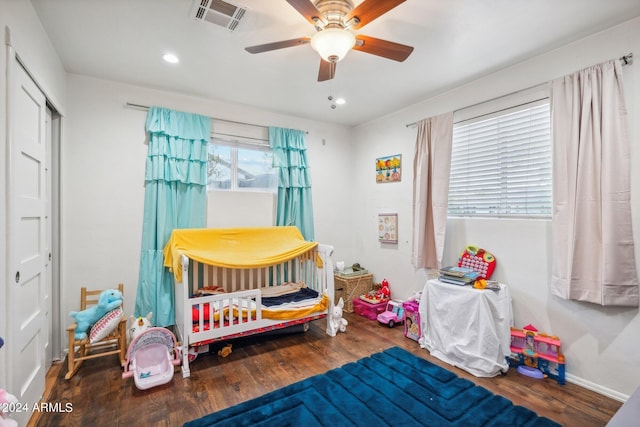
(278, 45)
(327, 70)
(307, 9)
(386, 49)
(369, 10)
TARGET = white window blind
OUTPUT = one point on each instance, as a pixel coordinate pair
(501, 164)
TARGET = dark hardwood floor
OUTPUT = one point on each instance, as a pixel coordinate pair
(260, 364)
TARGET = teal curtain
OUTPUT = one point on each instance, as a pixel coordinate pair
(175, 197)
(294, 205)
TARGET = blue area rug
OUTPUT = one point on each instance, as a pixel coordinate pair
(392, 388)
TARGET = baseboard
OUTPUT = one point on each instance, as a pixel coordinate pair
(597, 388)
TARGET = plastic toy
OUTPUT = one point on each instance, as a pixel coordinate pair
(8, 401)
(393, 315)
(384, 293)
(139, 325)
(370, 310)
(412, 329)
(530, 372)
(479, 260)
(225, 351)
(381, 295)
(107, 301)
(533, 351)
(151, 358)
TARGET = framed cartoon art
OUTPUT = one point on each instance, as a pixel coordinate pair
(388, 168)
(388, 227)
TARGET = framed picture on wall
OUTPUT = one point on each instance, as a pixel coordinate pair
(388, 227)
(388, 168)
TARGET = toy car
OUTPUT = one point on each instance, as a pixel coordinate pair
(393, 315)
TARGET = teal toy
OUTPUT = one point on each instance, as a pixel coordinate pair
(108, 300)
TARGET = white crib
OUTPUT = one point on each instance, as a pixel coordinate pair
(239, 311)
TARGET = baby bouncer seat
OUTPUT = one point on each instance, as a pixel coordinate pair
(151, 358)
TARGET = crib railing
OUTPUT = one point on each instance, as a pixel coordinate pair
(300, 269)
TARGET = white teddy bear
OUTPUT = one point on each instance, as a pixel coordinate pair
(337, 323)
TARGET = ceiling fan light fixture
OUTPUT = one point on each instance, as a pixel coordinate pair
(332, 44)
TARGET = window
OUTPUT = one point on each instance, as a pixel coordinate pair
(237, 166)
(501, 164)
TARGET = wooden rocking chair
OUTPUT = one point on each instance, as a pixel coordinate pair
(81, 350)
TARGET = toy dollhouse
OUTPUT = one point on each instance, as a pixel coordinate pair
(537, 351)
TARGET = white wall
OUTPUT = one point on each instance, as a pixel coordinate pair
(103, 180)
(32, 45)
(601, 344)
(229, 209)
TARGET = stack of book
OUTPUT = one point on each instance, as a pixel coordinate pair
(458, 275)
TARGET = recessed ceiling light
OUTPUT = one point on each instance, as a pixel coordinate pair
(341, 101)
(170, 58)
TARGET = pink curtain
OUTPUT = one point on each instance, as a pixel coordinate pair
(431, 163)
(593, 250)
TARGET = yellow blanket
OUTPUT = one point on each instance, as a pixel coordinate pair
(293, 313)
(277, 314)
(235, 247)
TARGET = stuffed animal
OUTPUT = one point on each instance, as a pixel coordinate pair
(225, 351)
(337, 323)
(6, 401)
(384, 293)
(107, 301)
(139, 325)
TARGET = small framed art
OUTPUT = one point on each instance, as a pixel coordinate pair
(388, 168)
(388, 227)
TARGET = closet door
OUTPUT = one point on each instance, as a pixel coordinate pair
(28, 284)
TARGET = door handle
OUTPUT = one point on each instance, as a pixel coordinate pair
(17, 277)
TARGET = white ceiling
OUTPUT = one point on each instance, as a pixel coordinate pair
(455, 41)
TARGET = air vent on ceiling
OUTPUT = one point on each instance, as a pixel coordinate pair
(225, 13)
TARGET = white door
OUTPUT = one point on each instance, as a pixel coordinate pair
(27, 238)
(48, 229)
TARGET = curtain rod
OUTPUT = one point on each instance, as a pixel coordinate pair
(626, 60)
(146, 108)
(243, 137)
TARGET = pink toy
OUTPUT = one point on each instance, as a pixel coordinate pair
(479, 260)
(7, 400)
(393, 315)
(151, 358)
(412, 319)
(368, 309)
(536, 354)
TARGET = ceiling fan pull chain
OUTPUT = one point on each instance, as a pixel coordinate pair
(331, 98)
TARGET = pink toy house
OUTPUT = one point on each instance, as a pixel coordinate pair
(537, 350)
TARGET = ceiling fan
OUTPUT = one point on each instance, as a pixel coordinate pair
(334, 21)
